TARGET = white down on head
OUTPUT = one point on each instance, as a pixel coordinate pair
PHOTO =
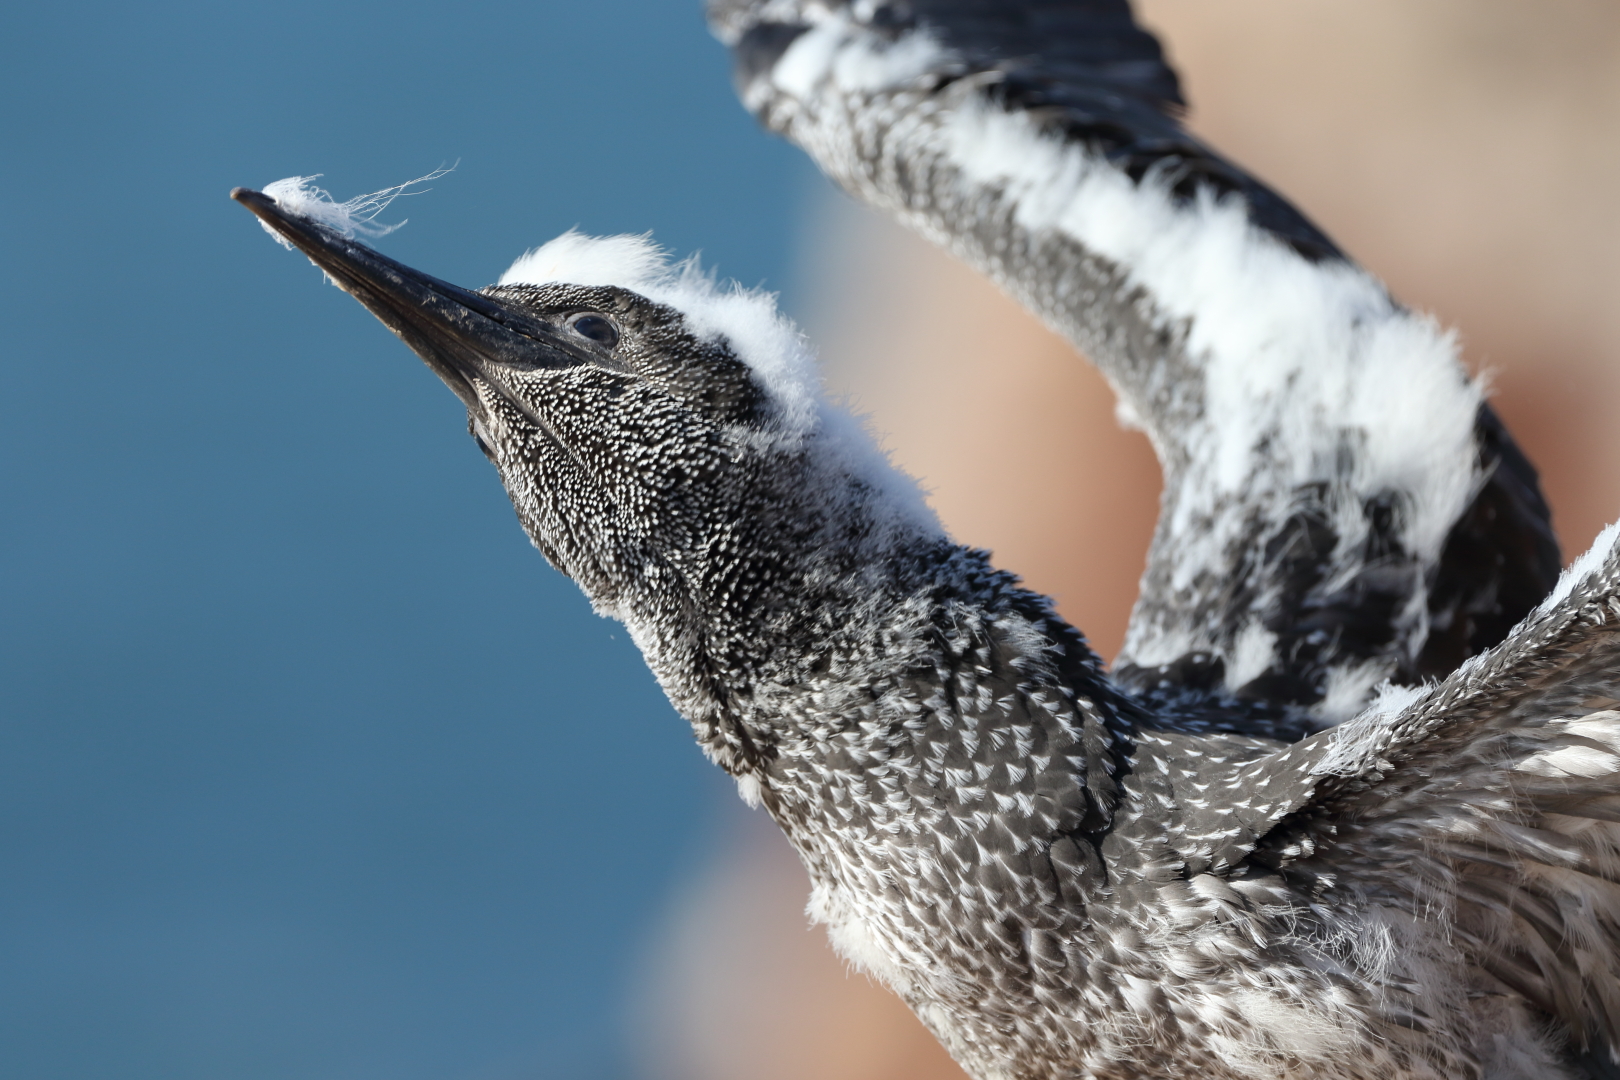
(756, 332)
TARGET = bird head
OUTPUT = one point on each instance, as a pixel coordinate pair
(664, 439)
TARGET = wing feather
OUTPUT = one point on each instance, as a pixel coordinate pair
(1340, 505)
(1490, 800)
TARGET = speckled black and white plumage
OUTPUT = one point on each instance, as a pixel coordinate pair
(1066, 873)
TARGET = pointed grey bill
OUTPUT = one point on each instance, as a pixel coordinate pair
(459, 333)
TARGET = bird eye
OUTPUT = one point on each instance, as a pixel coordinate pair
(599, 328)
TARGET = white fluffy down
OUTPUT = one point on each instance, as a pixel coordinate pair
(750, 323)
(1297, 357)
(841, 49)
(300, 196)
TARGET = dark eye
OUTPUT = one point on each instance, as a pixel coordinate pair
(599, 328)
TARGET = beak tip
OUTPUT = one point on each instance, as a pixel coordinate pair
(248, 197)
(260, 206)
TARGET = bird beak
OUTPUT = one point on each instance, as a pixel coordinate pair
(461, 334)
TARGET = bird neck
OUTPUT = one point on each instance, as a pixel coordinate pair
(859, 658)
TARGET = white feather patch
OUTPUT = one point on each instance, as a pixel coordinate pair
(1572, 761)
(1250, 655)
(1294, 355)
(1348, 686)
(851, 937)
(1579, 759)
(840, 50)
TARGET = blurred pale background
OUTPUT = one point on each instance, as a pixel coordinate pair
(1464, 150)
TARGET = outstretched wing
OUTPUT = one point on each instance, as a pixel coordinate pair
(1490, 801)
(1340, 506)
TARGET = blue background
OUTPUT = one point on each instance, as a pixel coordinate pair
(309, 765)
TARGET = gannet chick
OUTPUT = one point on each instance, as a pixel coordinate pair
(1063, 877)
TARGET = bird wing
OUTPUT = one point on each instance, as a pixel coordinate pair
(1340, 506)
(1492, 796)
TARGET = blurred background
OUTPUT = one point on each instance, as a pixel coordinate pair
(310, 768)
